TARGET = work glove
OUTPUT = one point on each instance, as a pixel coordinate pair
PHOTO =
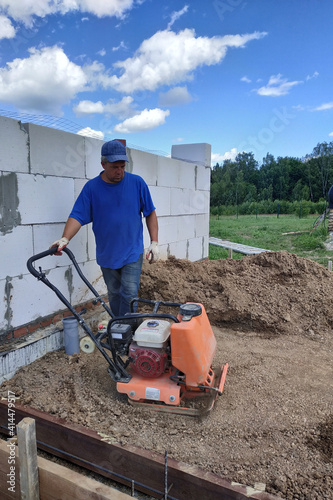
(62, 243)
(153, 252)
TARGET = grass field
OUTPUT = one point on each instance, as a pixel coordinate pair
(286, 232)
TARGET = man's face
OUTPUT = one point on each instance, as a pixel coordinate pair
(114, 172)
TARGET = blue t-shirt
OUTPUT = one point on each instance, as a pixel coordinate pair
(115, 212)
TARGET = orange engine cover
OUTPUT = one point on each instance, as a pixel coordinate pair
(193, 347)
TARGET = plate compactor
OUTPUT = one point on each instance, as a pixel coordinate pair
(161, 361)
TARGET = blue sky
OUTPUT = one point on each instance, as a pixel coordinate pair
(241, 75)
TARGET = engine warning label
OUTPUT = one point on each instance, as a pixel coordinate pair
(152, 393)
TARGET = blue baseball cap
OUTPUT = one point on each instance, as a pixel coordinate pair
(114, 151)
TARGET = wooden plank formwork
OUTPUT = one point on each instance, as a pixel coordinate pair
(55, 482)
(125, 464)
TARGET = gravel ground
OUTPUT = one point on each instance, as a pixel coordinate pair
(272, 317)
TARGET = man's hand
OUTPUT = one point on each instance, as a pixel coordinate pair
(62, 243)
(153, 252)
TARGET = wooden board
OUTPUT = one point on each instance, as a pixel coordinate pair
(126, 463)
(57, 481)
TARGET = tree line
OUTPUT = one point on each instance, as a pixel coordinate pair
(281, 182)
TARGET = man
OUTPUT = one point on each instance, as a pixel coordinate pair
(114, 202)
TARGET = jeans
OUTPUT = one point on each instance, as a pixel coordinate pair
(122, 285)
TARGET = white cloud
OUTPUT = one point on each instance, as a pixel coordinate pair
(101, 52)
(47, 79)
(299, 107)
(245, 79)
(229, 155)
(7, 30)
(25, 10)
(168, 58)
(120, 46)
(89, 132)
(315, 75)
(42, 82)
(277, 86)
(331, 134)
(174, 96)
(324, 107)
(176, 15)
(88, 108)
(122, 108)
(148, 119)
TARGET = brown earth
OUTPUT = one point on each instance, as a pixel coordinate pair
(272, 315)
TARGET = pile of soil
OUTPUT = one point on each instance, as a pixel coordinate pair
(272, 315)
(271, 293)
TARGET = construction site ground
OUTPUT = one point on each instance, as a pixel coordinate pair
(272, 315)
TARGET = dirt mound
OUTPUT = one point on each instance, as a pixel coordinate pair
(273, 292)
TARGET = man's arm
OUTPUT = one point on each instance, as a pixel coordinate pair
(152, 226)
(71, 228)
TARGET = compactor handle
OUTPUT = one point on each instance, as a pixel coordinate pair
(41, 276)
(38, 256)
(52, 251)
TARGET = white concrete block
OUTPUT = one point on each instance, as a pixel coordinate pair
(162, 199)
(43, 237)
(162, 240)
(164, 252)
(14, 142)
(4, 294)
(180, 201)
(143, 164)
(93, 156)
(78, 185)
(203, 178)
(185, 227)
(167, 172)
(201, 225)
(178, 249)
(199, 202)
(94, 274)
(54, 152)
(15, 249)
(67, 281)
(9, 212)
(44, 199)
(31, 299)
(187, 178)
(205, 247)
(195, 249)
(81, 292)
(196, 153)
(79, 245)
(206, 203)
(167, 230)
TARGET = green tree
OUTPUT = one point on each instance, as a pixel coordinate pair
(322, 160)
(286, 179)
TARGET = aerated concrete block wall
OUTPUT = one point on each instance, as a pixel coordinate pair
(42, 172)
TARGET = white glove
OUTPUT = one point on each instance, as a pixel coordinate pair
(153, 252)
(62, 243)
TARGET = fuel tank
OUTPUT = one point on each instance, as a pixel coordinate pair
(193, 344)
